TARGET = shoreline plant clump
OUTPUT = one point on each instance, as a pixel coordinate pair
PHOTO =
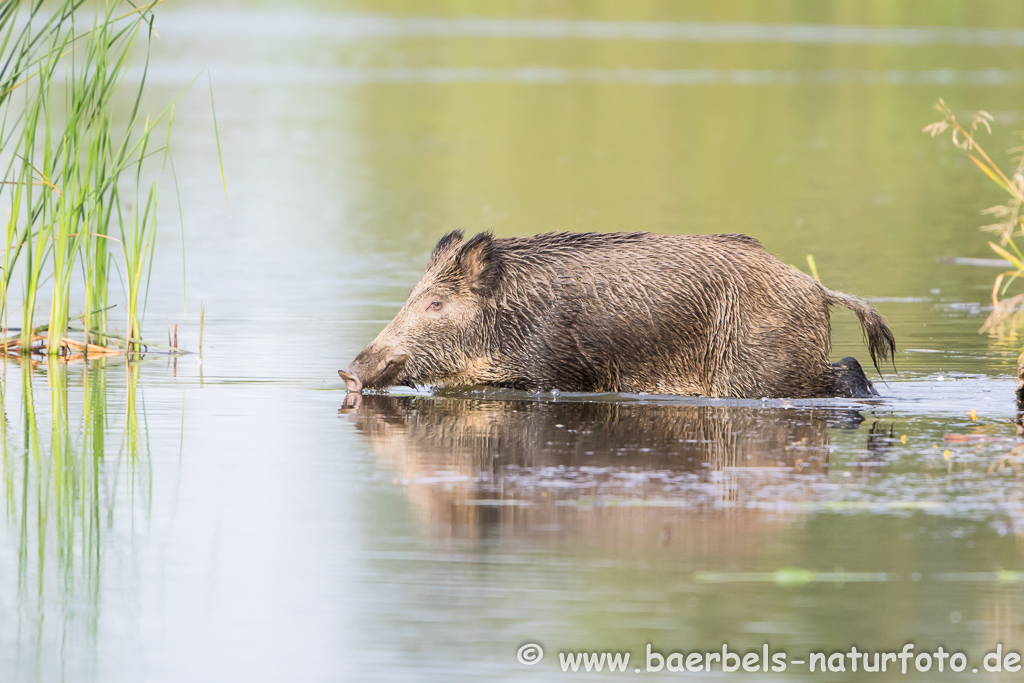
(74, 178)
(1007, 315)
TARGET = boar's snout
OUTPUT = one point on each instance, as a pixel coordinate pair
(371, 371)
(353, 383)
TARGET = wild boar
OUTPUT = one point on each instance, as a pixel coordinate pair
(701, 315)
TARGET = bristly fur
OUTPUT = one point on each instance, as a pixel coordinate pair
(444, 244)
(711, 315)
(480, 264)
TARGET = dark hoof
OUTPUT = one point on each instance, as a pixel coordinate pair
(851, 382)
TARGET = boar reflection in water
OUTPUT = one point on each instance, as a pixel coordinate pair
(472, 463)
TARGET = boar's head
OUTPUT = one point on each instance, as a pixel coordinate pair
(439, 335)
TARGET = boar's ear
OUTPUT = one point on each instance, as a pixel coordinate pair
(444, 244)
(480, 264)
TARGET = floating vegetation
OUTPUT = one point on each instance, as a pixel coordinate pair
(795, 576)
(39, 345)
(791, 576)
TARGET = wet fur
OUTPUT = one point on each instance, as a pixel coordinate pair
(710, 315)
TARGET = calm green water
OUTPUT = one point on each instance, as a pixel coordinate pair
(234, 519)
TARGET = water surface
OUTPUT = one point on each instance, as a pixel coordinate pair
(236, 519)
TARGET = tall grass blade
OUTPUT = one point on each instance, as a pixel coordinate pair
(216, 134)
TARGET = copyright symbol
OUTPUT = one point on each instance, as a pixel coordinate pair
(530, 654)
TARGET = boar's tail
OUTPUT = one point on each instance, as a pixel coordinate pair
(879, 337)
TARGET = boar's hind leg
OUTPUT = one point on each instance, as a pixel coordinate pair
(850, 380)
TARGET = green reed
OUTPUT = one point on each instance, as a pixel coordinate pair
(75, 181)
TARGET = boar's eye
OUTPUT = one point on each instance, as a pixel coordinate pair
(435, 306)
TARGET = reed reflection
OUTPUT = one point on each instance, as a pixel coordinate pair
(472, 464)
(75, 469)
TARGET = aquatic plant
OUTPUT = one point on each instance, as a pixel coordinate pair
(1007, 314)
(76, 182)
